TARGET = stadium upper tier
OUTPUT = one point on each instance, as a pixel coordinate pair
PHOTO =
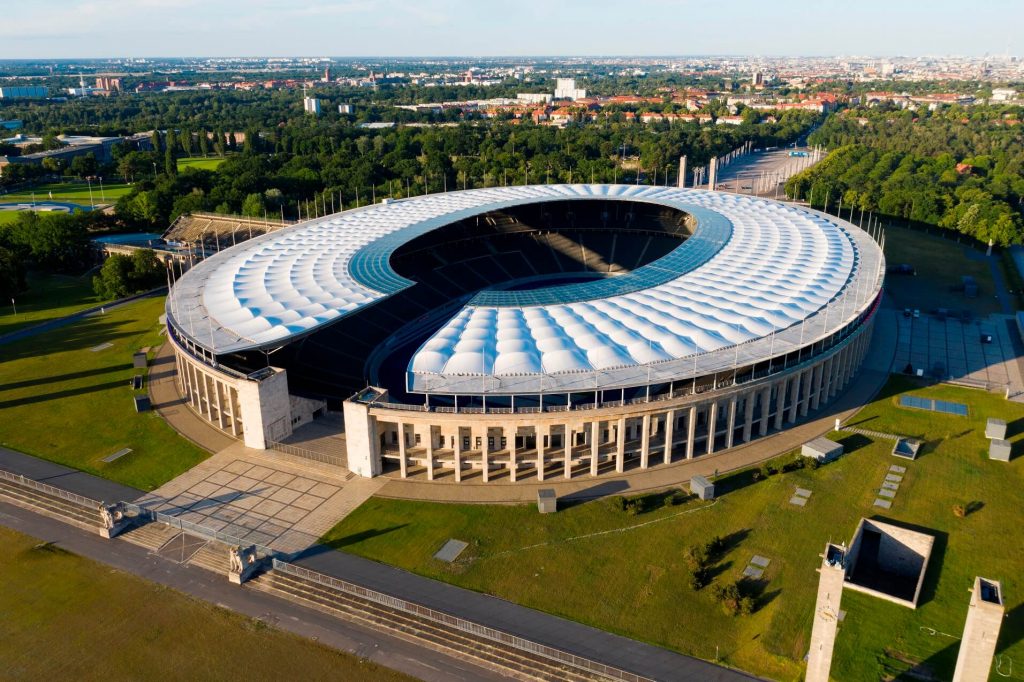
(753, 272)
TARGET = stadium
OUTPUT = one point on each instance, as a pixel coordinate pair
(527, 332)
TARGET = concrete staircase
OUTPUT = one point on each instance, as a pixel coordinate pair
(153, 536)
(212, 557)
(49, 505)
(515, 663)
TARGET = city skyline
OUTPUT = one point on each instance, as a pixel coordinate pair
(372, 28)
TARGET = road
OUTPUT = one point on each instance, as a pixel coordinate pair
(762, 173)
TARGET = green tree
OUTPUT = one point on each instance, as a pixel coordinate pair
(253, 206)
(12, 275)
(170, 162)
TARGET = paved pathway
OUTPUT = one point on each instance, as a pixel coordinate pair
(258, 497)
(27, 332)
(60, 476)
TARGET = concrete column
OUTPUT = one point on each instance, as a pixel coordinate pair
(981, 632)
(430, 453)
(620, 446)
(540, 433)
(569, 434)
(682, 171)
(485, 455)
(712, 172)
(794, 395)
(403, 460)
(513, 461)
(670, 425)
(458, 455)
(805, 401)
(830, 378)
(731, 421)
(712, 419)
(595, 433)
(691, 431)
(826, 615)
(766, 406)
(816, 386)
(645, 442)
(779, 405)
(748, 415)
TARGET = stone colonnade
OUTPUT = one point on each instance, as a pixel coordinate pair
(566, 444)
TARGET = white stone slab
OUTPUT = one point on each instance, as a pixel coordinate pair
(753, 572)
(760, 561)
(451, 550)
(102, 346)
(884, 504)
(798, 501)
(802, 492)
(887, 493)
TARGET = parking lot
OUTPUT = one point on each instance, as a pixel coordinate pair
(951, 348)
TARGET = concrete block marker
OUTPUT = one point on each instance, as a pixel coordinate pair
(798, 501)
(884, 504)
(884, 492)
(102, 346)
(889, 485)
(117, 455)
(802, 492)
(895, 478)
(897, 469)
(451, 550)
(753, 572)
(760, 561)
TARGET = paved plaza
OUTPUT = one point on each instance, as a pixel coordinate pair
(951, 348)
(262, 497)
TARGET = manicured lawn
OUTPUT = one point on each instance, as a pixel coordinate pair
(73, 192)
(635, 582)
(8, 216)
(69, 618)
(209, 163)
(48, 297)
(64, 402)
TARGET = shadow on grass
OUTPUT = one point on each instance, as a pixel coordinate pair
(1015, 428)
(757, 589)
(935, 562)
(730, 483)
(604, 489)
(938, 666)
(854, 442)
(79, 335)
(973, 506)
(56, 395)
(353, 539)
(70, 376)
(1012, 632)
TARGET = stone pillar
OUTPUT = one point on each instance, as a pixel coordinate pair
(826, 614)
(595, 433)
(691, 431)
(458, 455)
(712, 419)
(430, 453)
(805, 401)
(830, 378)
(620, 446)
(766, 406)
(403, 461)
(682, 171)
(794, 397)
(485, 455)
(748, 415)
(569, 434)
(670, 426)
(780, 404)
(981, 632)
(712, 172)
(816, 386)
(731, 421)
(645, 442)
(513, 462)
(540, 433)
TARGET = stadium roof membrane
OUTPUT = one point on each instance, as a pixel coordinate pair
(752, 268)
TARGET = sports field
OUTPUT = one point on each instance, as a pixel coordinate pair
(69, 618)
(65, 395)
(200, 163)
(73, 192)
(636, 581)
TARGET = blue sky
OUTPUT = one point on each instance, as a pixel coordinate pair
(140, 28)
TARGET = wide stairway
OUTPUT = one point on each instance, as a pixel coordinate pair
(508, 661)
(50, 505)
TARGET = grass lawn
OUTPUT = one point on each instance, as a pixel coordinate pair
(64, 402)
(208, 163)
(66, 617)
(635, 582)
(940, 264)
(72, 192)
(48, 297)
(8, 216)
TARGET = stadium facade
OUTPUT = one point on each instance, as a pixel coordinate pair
(532, 331)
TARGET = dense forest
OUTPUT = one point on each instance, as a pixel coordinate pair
(956, 168)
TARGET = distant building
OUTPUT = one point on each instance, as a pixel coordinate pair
(758, 79)
(311, 105)
(346, 109)
(565, 88)
(24, 92)
(534, 97)
(12, 124)
(1003, 94)
(109, 84)
(327, 74)
(75, 145)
